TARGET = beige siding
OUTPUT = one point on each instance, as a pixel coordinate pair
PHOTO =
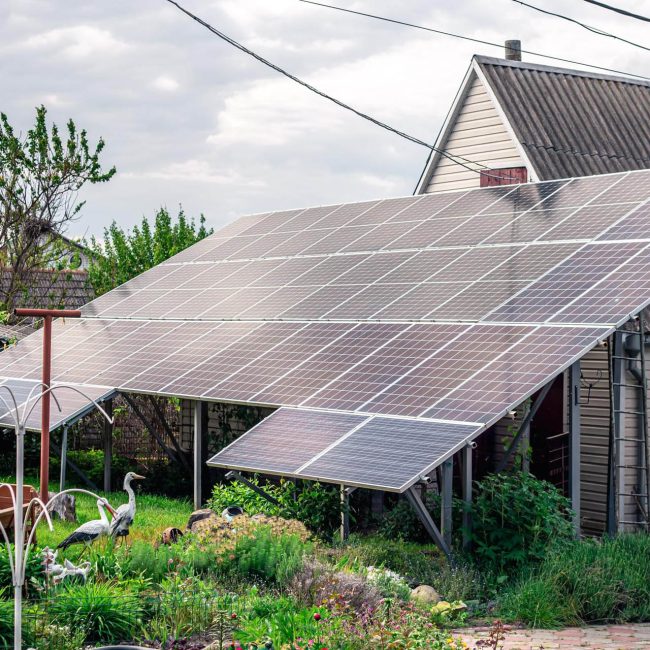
(478, 134)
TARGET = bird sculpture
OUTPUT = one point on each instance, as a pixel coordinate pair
(125, 514)
(90, 531)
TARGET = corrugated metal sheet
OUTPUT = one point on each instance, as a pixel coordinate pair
(572, 123)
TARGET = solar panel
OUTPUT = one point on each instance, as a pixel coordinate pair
(451, 307)
(383, 453)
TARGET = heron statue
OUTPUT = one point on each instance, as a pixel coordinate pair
(90, 531)
(125, 514)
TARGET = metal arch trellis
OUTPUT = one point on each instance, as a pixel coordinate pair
(18, 561)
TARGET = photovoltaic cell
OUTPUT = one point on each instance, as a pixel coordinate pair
(516, 373)
(529, 226)
(364, 303)
(427, 207)
(383, 367)
(541, 300)
(374, 268)
(388, 454)
(422, 300)
(634, 226)
(445, 370)
(285, 440)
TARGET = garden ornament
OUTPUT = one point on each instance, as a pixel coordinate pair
(72, 571)
(90, 531)
(125, 514)
(64, 506)
(231, 512)
(51, 567)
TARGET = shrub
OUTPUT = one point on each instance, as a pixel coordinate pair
(591, 581)
(317, 506)
(275, 559)
(102, 609)
(388, 583)
(6, 620)
(33, 572)
(516, 517)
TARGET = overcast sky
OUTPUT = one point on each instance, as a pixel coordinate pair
(189, 120)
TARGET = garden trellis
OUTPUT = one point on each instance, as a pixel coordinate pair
(21, 548)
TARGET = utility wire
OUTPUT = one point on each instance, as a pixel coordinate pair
(469, 38)
(459, 160)
(618, 11)
(595, 30)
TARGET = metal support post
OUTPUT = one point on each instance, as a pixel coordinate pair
(445, 506)
(108, 445)
(200, 432)
(525, 424)
(615, 471)
(345, 514)
(428, 523)
(467, 495)
(64, 458)
(574, 444)
(236, 476)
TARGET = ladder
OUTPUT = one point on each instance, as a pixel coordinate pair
(628, 488)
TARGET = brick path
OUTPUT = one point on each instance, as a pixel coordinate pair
(594, 637)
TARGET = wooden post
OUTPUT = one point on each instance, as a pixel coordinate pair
(200, 430)
(574, 444)
(445, 505)
(108, 446)
(467, 495)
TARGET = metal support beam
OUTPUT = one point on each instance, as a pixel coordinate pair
(446, 501)
(200, 435)
(614, 473)
(64, 458)
(525, 425)
(467, 495)
(152, 430)
(79, 472)
(428, 523)
(108, 445)
(233, 475)
(574, 443)
(170, 433)
(345, 511)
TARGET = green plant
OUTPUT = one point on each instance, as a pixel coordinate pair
(445, 613)
(590, 581)
(34, 570)
(317, 506)
(388, 583)
(105, 610)
(273, 558)
(6, 620)
(515, 519)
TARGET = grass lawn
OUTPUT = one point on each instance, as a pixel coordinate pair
(154, 514)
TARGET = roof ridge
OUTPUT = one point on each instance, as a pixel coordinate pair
(540, 67)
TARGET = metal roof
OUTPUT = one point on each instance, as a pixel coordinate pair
(571, 122)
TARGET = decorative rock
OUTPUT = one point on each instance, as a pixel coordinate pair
(171, 536)
(426, 594)
(200, 515)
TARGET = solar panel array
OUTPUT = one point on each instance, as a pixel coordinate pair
(448, 307)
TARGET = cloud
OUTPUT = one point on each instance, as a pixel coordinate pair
(165, 84)
(77, 42)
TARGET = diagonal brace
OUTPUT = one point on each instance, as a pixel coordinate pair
(523, 427)
(430, 526)
(233, 475)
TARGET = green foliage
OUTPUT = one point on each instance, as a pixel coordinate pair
(121, 255)
(104, 610)
(6, 619)
(315, 505)
(33, 569)
(275, 559)
(591, 581)
(41, 174)
(516, 517)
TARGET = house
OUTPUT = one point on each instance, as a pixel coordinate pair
(523, 122)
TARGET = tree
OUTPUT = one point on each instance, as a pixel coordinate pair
(122, 255)
(41, 175)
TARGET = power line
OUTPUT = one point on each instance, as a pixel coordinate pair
(469, 38)
(618, 10)
(459, 160)
(594, 30)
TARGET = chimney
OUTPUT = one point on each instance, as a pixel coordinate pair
(513, 50)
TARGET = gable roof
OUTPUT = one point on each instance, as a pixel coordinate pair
(573, 123)
(565, 123)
